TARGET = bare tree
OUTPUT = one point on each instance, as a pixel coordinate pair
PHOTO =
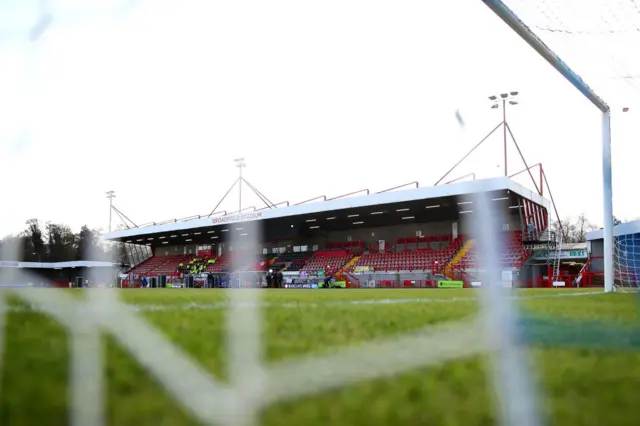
(582, 225)
(574, 230)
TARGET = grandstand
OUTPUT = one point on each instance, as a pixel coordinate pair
(411, 237)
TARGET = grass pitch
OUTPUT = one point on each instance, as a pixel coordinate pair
(584, 380)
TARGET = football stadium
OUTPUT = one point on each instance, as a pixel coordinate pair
(396, 238)
(461, 303)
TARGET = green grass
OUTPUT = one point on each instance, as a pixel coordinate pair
(586, 377)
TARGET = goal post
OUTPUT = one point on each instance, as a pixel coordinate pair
(517, 25)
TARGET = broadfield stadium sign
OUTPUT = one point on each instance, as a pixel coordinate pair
(236, 218)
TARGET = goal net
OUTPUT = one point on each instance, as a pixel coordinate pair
(597, 39)
(626, 259)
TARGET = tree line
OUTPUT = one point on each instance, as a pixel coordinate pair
(58, 243)
(574, 230)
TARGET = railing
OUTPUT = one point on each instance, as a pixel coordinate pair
(459, 274)
(349, 194)
(323, 197)
(352, 282)
(275, 205)
(471, 175)
(400, 186)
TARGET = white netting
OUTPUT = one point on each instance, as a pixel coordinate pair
(626, 258)
(598, 39)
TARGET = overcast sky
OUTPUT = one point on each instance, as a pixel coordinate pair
(320, 98)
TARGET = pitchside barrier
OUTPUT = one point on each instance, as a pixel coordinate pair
(393, 280)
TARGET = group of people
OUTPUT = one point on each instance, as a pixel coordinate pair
(274, 279)
(197, 265)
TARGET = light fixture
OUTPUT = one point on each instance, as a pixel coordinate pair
(187, 240)
(185, 235)
(224, 230)
(197, 233)
(492, 98)
(514, 207)
(210, 232)
(376, 212)
(239, 229)
(353, 215)
(161, 238)
(311, 220)
(433, 207)
(165, 242)
(139, 239)
(243, 235)
(465, 202)
(314, 227)
(172, 236)
(504, 95)
(499, 199)
(292, 226)
(494, 106)
(150, 239)
(402, 210)
(408, 217)
(466, 211)
(214, 237)
(128, 241)
(358, 223)
(331, 218)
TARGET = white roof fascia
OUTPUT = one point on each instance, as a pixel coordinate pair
(448, 190)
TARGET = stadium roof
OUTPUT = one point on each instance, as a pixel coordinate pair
(56, 265)
(618, 230)
(429, 204)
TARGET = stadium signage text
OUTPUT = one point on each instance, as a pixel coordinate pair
(236, 218)
(564, 254)
(450, 284)
(301, 286)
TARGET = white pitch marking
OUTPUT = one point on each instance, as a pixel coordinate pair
(142, 307)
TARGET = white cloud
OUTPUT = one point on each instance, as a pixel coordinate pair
(320, 98)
